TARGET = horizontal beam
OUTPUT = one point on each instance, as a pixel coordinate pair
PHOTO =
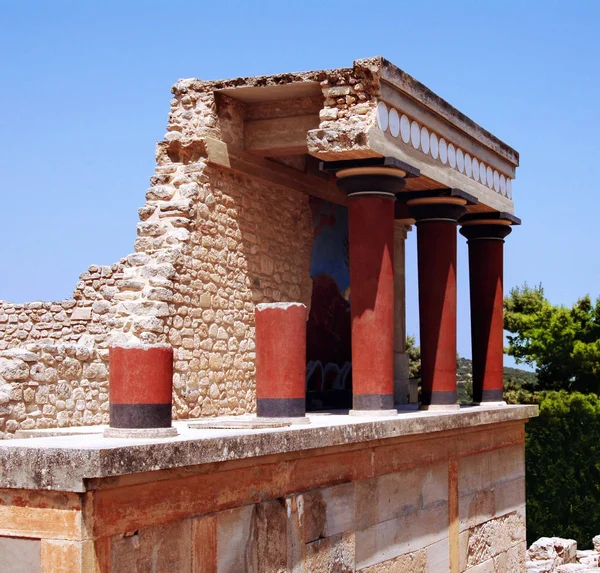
(278, 136)
(236, 159)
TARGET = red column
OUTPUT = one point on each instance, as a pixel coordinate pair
(436, 246)
(371, 191)
(486, 269)
(371, 237)
(280, 360)
(140, 386)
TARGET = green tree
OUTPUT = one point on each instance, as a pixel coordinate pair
(414, 357)
(562, 343)
(563, 467)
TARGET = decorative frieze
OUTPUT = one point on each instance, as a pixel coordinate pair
(411, 132)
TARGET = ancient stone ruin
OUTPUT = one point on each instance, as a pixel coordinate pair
(234, 395)
(557, 555)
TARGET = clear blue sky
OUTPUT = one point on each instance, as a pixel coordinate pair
(85, 89)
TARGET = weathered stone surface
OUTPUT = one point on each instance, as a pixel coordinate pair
(329, 511)
(21, 354)
(236, 541)
(416, 562)
(66, 464)
(160, 548)
(389, 496)
(20, 555)
(334, 553)
(13, 370)
(493, 537)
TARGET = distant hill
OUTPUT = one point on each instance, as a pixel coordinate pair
(513, 378)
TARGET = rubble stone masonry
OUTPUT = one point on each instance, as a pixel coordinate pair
(211, 244)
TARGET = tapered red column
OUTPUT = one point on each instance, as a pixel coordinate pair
(486, 269)
(436, 220)
(371, 196)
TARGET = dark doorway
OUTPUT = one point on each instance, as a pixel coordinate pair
(328, 342)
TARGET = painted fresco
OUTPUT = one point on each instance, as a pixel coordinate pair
(329, 362)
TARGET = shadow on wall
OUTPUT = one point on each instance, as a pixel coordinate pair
(251, 244)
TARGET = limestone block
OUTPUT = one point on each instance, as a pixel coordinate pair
(20, 555)
(588, 557)
(328, 511)
(236, 540)
(404, 534)
(492, 538)
(160, 548)
(438, 556)
(543, 548)
(568, 567)
(271, 536)
(160, 193)
(566, 549)
(82, 313)
(482, 472)
(596, 543)
(5, 393)
(391, 495)
(20, 354)
(69, 369)
(13, 369)
(334, 553)
(411, 563)
(509, 496)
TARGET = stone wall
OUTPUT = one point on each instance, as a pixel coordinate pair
(210, 245)
(49, 385)
(443, 500)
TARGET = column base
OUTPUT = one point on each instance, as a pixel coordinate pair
(255, 423)
(439, 407)
(407, 407)
(374, 413)
(280, 408)
(140, 433)
(490, 403)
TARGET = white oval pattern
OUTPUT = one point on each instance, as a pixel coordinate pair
(425, 140)
(434, 145)
(382, 116)
(415, 134)
(430, 143)
(460, 160)
(475, 169)
(451, 156)
(443, 151)
(405, 128)
(394, 121)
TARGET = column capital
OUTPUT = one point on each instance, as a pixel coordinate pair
(487, 226)
(448, 204)
(376, 176)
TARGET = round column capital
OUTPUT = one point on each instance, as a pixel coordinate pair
(437, 209)
(486, 229)
(373, 181)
